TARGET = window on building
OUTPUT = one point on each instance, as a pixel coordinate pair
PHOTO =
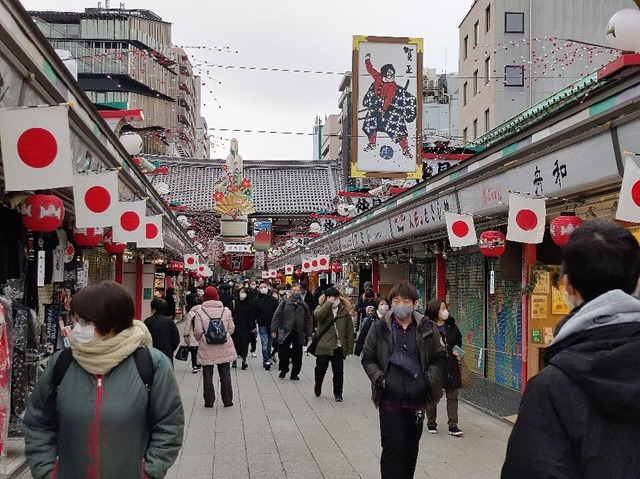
(476, 34)
(487, 70)
(487, 18)
(475, 83)
(465, 47)
(514, 22)
(465, 136)
(475, 128)
(465, 93)
(514, 75)
(487, 120)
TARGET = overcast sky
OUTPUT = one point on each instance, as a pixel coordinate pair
(286, 34)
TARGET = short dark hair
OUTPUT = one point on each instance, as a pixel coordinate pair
(404, 289)
(333, 292)
(386, 68)
(380, 300)
(170, 291)
(107, 304)
(159, 305)
(432, 311)
(601, 256)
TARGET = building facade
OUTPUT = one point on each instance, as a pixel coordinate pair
(440, 108)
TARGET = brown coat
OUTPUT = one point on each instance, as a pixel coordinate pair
(209, 354)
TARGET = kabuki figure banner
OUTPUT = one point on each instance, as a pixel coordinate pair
(387, 113)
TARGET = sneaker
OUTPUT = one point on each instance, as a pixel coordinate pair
(369, 147)
(454, 431)
(253, 354)
(234, 364)
(339, 399)
(195, 370)
(432, 429)
(282, 374)
(295, 378)
(317, 389)
(274, 359)
(267, 365)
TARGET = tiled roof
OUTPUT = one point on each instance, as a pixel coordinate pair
(279, 187)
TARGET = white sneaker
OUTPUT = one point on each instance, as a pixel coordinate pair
(254, 355)
(304, 348)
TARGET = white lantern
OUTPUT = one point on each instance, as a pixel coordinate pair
(191, 234)
(343, 209)
(315, 228)
(622, 30)
(132, 142)
(162, 188)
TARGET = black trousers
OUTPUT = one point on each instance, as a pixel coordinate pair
(193, 350)
(290, 349)
(400, 437)
(252, 341)
(226, 390)
(337, 366)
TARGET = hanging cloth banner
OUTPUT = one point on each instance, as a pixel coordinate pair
(527, 218)
(95, 198)
(306, 265)
(36, 149)
(629, 202)
(191, 261)
(461, 230)
(288, 269)
(152, 233)
(130, 227)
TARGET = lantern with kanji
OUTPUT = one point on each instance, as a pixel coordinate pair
(237, 262)
(42, 213)
(336, 268)
(492, 243)
(298, 272)
(88, 237)
(111, 246)
(562, 226)
(175, 266)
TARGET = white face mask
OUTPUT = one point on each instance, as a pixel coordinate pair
(84, 334)
(383, 309)
(253, 286)
(444, 315)
(264, 290)
(243, 295)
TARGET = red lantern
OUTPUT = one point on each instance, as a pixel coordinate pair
(110, 246)
(298, 272)
(562, 226)
(336, 267)
(175, 266)
(88, 236)
(42, 213)
(492, 243)
(237, 262)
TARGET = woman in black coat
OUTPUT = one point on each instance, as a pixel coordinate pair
(245, 322)
(381, 309)
(438, 312)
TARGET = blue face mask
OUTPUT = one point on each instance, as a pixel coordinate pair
(295, 297)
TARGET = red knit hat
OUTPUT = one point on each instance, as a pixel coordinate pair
(210, 294)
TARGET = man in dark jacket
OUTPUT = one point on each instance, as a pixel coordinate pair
(308, 297)
(368, 298)
(292, 325)
(264, 306)
(163, 329)
(405, 358)
(582, 411)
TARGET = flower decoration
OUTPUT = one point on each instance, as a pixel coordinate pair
(245, 184)
(218, 195)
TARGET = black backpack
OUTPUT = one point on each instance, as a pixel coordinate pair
(216, 332)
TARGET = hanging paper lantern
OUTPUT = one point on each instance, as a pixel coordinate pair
(298, 272)
(88, 237)
(492, 243)
(42, 213)
(336, 267)
(622, 30)
(562, 226)
(132, 142)
(237, 262)
(315, 229)
(110, 246)
(175, 266)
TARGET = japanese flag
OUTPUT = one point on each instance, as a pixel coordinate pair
(204, 270)
(130, 225)
(315, 264)
(306, 265)
(629, 202)
(152, 233)
(36, 149)
(95, 197)
(288, 269)
(461, 230)
(527, 218)
(191, 261)
(273, 273)
(323, 262)
(265, 274)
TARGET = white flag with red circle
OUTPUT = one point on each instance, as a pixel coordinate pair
(629, 201)
(95, 198)
(152, 233)
(324, 262)
(130, 225)
(315, 263)
(265, 274)
(36, 148)
(191, 261)
(306, 265)
(527, 219)
(273, 273)
(461, 230)
(288, 269)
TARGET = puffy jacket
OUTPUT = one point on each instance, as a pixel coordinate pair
(209, 354)
(583, 409)
(290, 315)
(378, 347)
(86, 443)
(343, 326)
(264, 306)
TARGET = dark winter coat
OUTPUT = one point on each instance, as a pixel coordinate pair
(227, 300)
(289, 316)
(164, 333)
(244, 319)
(264, 306)
(171, 306)
(364, 330)
(343, 327)
(579, 417)
(311, 301)
(378, 347)
(452, 337)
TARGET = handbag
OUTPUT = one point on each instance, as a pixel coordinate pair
(466, 378)
(182, 353)
(313, 345)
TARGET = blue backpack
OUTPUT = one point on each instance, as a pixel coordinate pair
(216, 332)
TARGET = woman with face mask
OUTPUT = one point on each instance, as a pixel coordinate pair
(438, 312)
(244, 317)
(380, 310)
